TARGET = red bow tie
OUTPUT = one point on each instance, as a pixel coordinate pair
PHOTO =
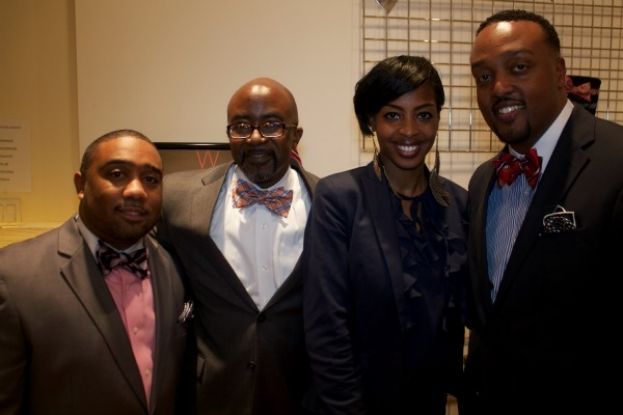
(509, 167)
(276, 200)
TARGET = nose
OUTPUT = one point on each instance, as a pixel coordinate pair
(408, 126)
(502, 85)
(135, 189)
(256, 137)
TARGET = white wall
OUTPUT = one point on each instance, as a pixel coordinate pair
(167, 68)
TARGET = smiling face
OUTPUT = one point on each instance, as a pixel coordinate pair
(120, 190)
(264, 160)
(520, 81)
(406, 128)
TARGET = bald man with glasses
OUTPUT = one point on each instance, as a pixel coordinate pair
(237, 231)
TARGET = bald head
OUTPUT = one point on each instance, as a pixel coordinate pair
(263, 87)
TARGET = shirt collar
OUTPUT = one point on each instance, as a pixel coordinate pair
(547, 142)
(285, 181)
(92, 240)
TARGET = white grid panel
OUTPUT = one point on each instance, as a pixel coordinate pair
(590, 33)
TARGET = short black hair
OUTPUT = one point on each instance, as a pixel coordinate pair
(390, 79)
(87, 156)
(551, 36)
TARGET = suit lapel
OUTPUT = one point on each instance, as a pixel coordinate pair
(378, 198)
(564, 166)
(203, 204)
(81, 273)
(164, 308)
(478, 206)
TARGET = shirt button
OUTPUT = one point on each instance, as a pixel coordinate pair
(251, 365)
(261, 318)
(264, 226)
(134, 329)
(265, 267)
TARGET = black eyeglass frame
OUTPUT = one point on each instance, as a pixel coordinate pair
(283, 126)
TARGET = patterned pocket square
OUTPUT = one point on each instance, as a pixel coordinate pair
(187, 312)
(560, 220)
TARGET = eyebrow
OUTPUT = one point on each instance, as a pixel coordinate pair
(419, 107)
(506, 54)
(122, 162)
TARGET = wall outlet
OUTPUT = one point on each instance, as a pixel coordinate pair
(10, 210)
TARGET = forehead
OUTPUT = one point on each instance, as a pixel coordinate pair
(127, 149)
(508, 37)
(259, 100)
(422, 95)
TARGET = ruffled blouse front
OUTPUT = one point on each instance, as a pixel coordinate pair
(432, 255)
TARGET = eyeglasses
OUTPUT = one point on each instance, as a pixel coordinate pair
(267, 129)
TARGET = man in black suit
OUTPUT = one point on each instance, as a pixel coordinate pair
(544, 237)
(239, 247)
(83, 335)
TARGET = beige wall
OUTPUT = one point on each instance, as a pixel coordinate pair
(38, 89)
(168, 68)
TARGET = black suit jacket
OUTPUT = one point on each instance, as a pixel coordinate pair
(547, 343)
(249, 362)
(356, 308)
(63, 345)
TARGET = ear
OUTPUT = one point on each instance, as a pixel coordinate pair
(298, 134)
(561, 69)
(79, 183)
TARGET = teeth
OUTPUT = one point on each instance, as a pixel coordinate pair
(511, 108)
(407, 149)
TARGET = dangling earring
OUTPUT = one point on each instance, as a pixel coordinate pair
(436, 165)
(439, 193)
(376, 162)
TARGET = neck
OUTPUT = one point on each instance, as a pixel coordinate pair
(405, 183)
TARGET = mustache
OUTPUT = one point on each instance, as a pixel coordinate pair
(244, 154)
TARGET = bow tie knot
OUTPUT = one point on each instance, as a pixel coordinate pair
(135, 262)
(278, 200)
(509, 167)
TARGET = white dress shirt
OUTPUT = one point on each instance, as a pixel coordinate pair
(261, 247)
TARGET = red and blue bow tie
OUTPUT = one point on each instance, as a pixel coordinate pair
(276, 200)
(509, 167)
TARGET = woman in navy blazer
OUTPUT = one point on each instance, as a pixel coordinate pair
(384, 259)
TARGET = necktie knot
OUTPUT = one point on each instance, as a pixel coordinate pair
(509, 167)
(278, 200)
(135, 262)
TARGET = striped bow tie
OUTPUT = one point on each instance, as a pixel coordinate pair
(135, 262)
(509, 167)
(276, 200)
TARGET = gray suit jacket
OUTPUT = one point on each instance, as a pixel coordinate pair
(249, 362)
(547, 344)
(63, 346)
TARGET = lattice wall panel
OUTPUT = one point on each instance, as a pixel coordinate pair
(590, 34)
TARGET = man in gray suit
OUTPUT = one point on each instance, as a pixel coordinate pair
(89, 311)
(238, 230)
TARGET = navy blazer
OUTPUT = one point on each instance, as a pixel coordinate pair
(547, 341)
(355, 305)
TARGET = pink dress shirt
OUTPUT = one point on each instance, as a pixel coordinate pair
(134, 300)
